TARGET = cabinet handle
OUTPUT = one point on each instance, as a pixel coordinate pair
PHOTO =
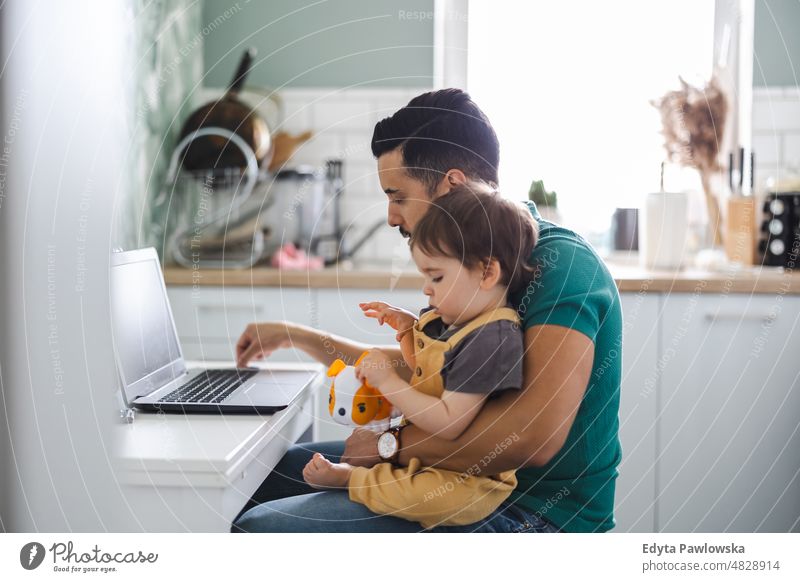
(740, 317)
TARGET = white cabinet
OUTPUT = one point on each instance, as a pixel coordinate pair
(634, 508)
(729, 403)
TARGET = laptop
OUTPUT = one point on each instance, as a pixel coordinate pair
(152, 370)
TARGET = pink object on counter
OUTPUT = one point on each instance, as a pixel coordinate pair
(290, 258)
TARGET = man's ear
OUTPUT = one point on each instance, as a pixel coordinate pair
(451, 179)
(455, 177)
(491, 273)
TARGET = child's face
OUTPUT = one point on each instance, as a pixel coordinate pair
(457, 293)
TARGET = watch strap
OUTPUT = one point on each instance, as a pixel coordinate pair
(395, 431)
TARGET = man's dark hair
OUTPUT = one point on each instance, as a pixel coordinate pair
(473, 223)
(437, 132)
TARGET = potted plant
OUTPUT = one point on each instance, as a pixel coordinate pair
(693, 121)
(546, 202)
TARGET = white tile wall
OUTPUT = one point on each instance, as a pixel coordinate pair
(342, 121)
(776, 133)
(791, 150)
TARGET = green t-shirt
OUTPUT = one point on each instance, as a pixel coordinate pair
(573, 288)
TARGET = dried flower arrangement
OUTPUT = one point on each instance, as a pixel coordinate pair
(693, 121)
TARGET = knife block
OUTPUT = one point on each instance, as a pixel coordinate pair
(740, 231)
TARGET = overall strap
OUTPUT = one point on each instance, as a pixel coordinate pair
(500, 314)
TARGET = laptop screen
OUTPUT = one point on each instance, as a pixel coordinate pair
(148, 352)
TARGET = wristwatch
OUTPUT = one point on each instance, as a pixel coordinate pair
(389, 444)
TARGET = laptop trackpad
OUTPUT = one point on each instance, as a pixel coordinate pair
(266, 391)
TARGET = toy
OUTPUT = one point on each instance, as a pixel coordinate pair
(355, 403)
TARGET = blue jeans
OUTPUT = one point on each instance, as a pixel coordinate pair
(286, 503)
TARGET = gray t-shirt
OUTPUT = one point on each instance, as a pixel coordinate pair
(486, 361)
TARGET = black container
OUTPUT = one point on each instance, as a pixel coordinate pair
(779, 241)
(625, 229)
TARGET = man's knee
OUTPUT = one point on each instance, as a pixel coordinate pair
(260, 519)
(307, 512)
(326, 511)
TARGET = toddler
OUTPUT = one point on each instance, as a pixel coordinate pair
(472, 247)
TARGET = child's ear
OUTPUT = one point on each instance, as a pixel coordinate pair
(491, 273)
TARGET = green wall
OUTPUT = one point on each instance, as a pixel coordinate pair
(337, 43)
(328, 43)
(776, 62)
(168, 62)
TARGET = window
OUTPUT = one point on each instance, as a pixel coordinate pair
(567, 85)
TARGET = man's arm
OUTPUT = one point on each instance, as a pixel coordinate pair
(533, 423)
(326, 347)
(259, 340)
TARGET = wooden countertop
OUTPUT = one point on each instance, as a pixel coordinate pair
(629, 278)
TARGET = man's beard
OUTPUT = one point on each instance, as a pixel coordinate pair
(403, 232)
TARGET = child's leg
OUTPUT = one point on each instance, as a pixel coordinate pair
(428, 495)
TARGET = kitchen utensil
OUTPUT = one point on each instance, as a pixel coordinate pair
(331, 241)
(231, 113)
(740, 231)
(284, 145)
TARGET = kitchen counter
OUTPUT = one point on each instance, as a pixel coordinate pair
(629, 278)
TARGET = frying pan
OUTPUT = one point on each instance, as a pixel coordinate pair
(214, 151)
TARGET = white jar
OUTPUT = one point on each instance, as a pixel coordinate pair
(663, 230)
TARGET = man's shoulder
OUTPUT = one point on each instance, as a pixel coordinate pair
(561, 251)
(556, 241)
(571, 285)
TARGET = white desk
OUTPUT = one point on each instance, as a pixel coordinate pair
(196, 472)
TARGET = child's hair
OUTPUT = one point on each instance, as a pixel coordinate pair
(474, 223)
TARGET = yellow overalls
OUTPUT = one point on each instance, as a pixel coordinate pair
(425, 494)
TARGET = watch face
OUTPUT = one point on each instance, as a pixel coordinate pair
(387, 445)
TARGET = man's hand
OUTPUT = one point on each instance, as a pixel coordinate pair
(398, 319)
(361, 448)
(377, 369)
(259, 340)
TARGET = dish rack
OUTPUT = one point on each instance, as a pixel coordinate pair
(212, 216)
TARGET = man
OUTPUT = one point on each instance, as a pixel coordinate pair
(560, 431)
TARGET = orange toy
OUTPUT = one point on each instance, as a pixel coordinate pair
(355, 403)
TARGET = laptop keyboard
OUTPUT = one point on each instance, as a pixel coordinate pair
(212, 386)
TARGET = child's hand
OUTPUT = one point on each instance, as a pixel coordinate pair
(375, 368)
(398, 319)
